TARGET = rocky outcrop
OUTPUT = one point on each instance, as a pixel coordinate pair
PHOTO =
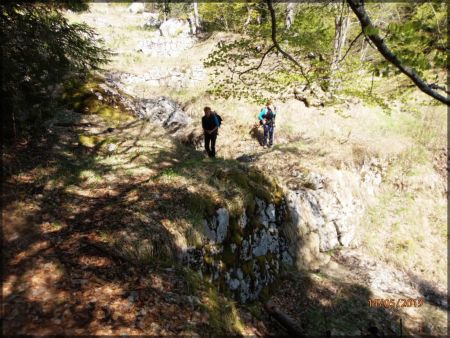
(165, 112)
(325, 211)
(176, 77)
(244, 253)
(136, 7)
(166, 46)
(150, 20)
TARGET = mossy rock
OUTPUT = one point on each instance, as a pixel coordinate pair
(201, 204)
(228, 257)
(264, 295)
(81, 97)
(247, 268)
(208, 260)
(261, 261)
(235, 232)
(236, 238)
(89, 141)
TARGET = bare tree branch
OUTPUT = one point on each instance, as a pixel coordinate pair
(260, 62)
(277, 45)
(438, 87)
(350, 46)
(357, 7)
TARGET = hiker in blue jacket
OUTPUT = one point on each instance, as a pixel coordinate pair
(267, 120)
(211, 123)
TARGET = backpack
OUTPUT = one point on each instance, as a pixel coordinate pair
(217, 119)
(269, 117)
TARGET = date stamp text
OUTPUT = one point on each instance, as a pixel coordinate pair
(396, 303)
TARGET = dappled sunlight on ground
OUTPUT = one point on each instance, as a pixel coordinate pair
(94, 254)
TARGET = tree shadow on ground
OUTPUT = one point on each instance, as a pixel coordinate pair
(323, 306)
(430, 292)
(57, 277)
(59, 220)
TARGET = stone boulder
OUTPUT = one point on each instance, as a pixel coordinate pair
(136, 7)
(216, 229)
(169, 46)
(165, 112)
(150, 20)
(174, 28)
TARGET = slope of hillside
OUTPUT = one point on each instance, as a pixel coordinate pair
(99, 211)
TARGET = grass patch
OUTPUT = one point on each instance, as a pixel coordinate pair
(408, 231)
(223, 314)
(148, 250)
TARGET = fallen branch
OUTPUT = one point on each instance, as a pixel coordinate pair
(287, 322)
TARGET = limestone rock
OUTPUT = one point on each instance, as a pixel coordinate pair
(165, 112)
(150, 20)
(209, 233)
(246, 253)
(329, 210)
(270, 212)
(233, 284)
(243, 220)
(174, 27)
(261, 246)
(223, 220)
(136, 7)
(286, 258)
(328, 237)
(261, 207)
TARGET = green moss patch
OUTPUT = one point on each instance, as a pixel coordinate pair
(89, 98)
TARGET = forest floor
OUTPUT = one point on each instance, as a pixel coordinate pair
(62, 208)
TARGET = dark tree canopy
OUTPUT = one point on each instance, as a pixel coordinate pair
(40, 49)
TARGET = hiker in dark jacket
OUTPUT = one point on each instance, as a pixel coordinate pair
(210, 123)
(267, 119)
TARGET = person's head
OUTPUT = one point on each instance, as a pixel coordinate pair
(269, 102)
(207, 111)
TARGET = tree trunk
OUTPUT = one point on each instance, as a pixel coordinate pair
(196, 17)
(341, 23)
(249, 18)
(165, 10)
(363, 49)
(289, 14)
